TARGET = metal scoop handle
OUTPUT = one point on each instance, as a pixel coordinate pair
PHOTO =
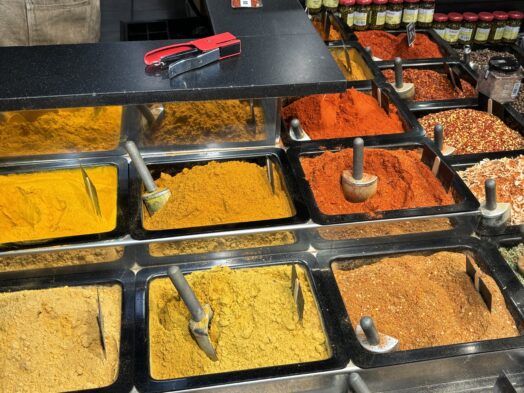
(140, 166)
(371, 332)
(186, 293)
(491, 194)
(357, 384)
(399, 78)
(358, 159)
(438, 136)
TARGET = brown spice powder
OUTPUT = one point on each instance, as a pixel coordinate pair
(424, 301)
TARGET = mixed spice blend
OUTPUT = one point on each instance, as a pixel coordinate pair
(340, 115)
(512, 256)
(404, 181)
(509, 174)
(54, 204)
(220, 193)
(197, 122)
(359, 70)
(255, 322)
(387, 46)
(470, 131)
(60, 131)
(424, 301)
(432, 85)
(50, 339)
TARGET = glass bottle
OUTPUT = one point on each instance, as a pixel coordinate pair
(483, 27)
(512, 29)
(500, 19)
(468, 27)
(347, 11)
(362, 15)
(453, 29)
(426, 11)
(410, 13)
(440, 24)
(314, 6)
(394, 14)
(378, 14)
(330, 5)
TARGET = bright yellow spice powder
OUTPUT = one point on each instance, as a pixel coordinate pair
(52, 204)
(219, 193)
(359, 70)
(50, 339)
(255, 322)
(60, 131)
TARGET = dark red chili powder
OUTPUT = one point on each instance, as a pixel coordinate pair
(404, 181)
(388, 46)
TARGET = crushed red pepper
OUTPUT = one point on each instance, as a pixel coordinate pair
(470, 131)
(432, 85)
(387, 46)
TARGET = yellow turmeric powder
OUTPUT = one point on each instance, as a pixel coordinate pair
(255, 322)
(207, 122)
(219, 193)
(50, 340)
(53, 204)
(60, 131)
(359, 70)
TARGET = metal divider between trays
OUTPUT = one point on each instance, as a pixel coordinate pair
(144, 382)
(482, 254)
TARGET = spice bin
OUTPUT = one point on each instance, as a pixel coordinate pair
(145, 382)
(125, 280)
(479, 253)
(365, 71)
(510, 245)
(480, 54)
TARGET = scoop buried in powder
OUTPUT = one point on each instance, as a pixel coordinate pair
(406, 91)
(372, 340)
(438, 135)
(495, 215)
(296, 131)
(357, 185)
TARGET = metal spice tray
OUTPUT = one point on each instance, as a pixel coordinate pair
(514, 49)
(174, 165)
(503, 112)
(465, 208)
(122, 216)
(125, 278)
(145, 383)
(129, 125)
(448, 53)
(387, 96)
(481, 253)
(460, 69)
(269, 128)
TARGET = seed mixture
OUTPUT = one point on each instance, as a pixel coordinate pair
(470, 131)
(481, 57)
(424, 301)
(509, 174)
(512, 255)
(432, 85)
(518, 104)
(255, 322)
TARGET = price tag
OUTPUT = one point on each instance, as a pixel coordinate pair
(411, 33)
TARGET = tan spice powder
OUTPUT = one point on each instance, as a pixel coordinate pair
(424, 300)
(255, 322)
(50, 339)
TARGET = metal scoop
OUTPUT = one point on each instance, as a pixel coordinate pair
(406, 91)
(91, 191)
(372, 340)
(494, 214)
(438, 137)
(357, 185)
(252, 121)
(297, 132)
(154, 198)
(154, 116)
(100, 322)
(201, 316)
(270, 175)
(357, 384)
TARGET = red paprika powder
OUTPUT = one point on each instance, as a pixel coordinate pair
(347, 114)
(404, 181)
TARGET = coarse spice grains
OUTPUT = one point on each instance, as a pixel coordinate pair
(50, 339)
(470, 131)
(509, 174)
(432, 85)
(481, 57)
(255, 322)
(423, 300)
(404, 181)
(340, 115)
(512, 255)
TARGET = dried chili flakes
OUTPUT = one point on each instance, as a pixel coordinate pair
(470, 131)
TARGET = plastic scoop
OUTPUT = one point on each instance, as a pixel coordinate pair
(438, 137)
(357, 185)
(100, 323)
(201, 316)
(252, 122)
(154, 116)
(270, 175)
(91, 191)
(494, 214)
(296, 132)
(406, 91)
(372, 340)
(357, 384)
(154, 198)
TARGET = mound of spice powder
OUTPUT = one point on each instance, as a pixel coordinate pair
(512, 257)
(423, 301)
(340, 115)
(432, 85)
(509, 174)
(470, 131)
(387, 46)
(404, 181)
(255, 322)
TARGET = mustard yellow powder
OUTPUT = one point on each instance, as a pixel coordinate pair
(358, 67)
(219, 244)
(52, 204)
(60, 131)
(207, 122)
(219, 193)
(50, 339)
(255, 323)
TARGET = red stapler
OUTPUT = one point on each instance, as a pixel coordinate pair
(187, 56)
